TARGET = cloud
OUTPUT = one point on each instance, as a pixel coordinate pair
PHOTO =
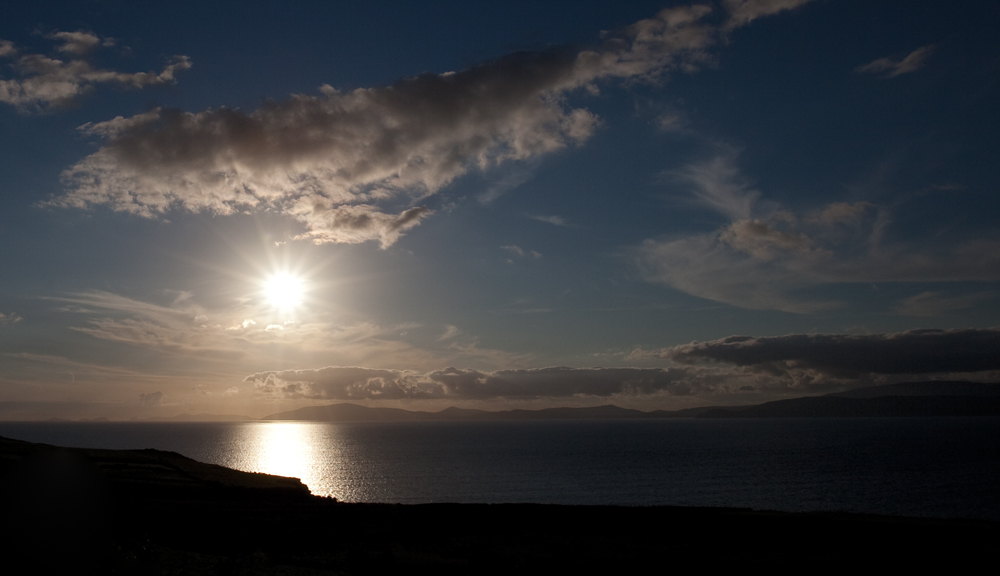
(930, 304)
(343, 164)
(841, 213)
(910, 63)
(923, 351)
(48, 366)
(245, 336)
(506, 183)
(231, 391)
(79, 43)
(742, 12)
(764, 256)
(708, 267)
(718, 186)
(177, 329)
(759, 240)
(354, 383)
(517, 251)
(450, 332)
(45, 82)
(554, 220)
(328, 222)
(118, 125)
(9, 318)
(149, 400)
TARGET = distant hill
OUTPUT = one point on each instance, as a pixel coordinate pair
(932, 388)
(352, 413)
(201, 418)
(940, 398)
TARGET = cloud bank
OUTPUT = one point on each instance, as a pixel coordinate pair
(346, 164)
(912, 352)
(43, 82)
(793, 364)
(356, 383)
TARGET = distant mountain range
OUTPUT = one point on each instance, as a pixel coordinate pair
(201, 418)
(941, 398)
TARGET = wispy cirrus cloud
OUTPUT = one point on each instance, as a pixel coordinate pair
(717, 185)
(910, 63)
(555, 220)
(232, 338)
(763, 256)
(516, 251)
(930, 304)
(43, 82)
(354, 166)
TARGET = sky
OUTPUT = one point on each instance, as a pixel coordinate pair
(243, 208)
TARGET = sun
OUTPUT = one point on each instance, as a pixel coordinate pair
(284, 292)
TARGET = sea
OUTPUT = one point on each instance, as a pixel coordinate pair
(928, 467)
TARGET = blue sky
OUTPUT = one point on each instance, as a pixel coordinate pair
(657, 205)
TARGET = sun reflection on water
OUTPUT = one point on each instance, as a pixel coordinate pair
(325, 456)
(296, 449)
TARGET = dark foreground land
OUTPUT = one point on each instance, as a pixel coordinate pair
(154, 512)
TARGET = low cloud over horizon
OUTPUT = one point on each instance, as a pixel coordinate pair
(793, 364)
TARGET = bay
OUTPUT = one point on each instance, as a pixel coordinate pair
(935, 467)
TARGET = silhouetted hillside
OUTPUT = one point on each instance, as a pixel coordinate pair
(883, 406)
(76, 511)
(931, 388)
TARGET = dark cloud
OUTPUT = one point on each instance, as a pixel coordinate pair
(911, 352)
(343, 163)
(152, 399)
(774, 366)
(344, 383)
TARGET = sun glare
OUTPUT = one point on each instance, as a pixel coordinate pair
(284, 291)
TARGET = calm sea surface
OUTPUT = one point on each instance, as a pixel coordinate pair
(946, 467)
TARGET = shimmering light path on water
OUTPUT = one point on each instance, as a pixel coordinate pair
(909, 466)
(302, 450)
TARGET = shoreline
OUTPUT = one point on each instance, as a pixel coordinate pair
(150, 511)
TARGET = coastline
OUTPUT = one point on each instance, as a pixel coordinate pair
(150, 511)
